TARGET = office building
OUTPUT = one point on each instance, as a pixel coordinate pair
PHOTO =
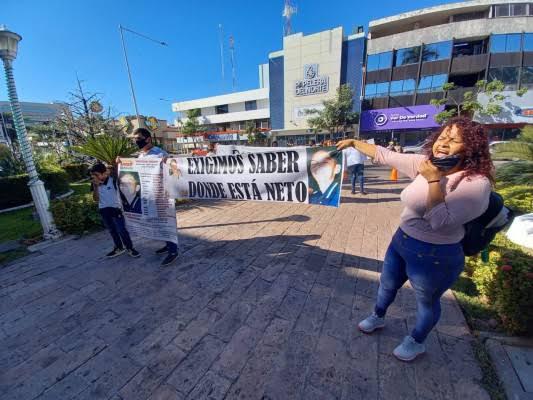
(308, 70)
(410, 57)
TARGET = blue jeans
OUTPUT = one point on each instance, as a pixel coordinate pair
(114, 222)
(431, 270)
(357, 172)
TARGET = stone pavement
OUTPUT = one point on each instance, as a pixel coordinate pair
(262, 304)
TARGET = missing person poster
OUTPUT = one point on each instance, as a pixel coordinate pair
(148, 210)
(301, 175)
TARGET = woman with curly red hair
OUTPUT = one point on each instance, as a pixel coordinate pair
(451, 186)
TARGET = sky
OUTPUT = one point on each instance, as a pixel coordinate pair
(62, 38)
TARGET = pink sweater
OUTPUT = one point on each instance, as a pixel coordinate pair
(465, 199)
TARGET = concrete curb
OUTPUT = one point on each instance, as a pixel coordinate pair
(48, 243)
(507, 340)
(511, 384)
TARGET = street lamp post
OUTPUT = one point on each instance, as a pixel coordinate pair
(133, 97)
(8, 53)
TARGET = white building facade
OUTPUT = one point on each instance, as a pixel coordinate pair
(224, 119)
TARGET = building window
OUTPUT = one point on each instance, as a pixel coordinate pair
(221, 109)
(406, 56)
(469, 16)
(527, 77)
(466, 48)
(528, 41)
(432, 83)
(505, 43)
(379, 61)
(518, 10)
(508, 75)
(404, 86)
(437, 51)
(502, 10)
(377, 89)
(250, 105)
(511, 10)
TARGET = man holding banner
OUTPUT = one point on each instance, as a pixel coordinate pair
(148, 210)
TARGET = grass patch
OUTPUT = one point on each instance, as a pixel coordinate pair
(19, 224)
(489, 380)
(12, 255)
(475, 308)
(81, 187)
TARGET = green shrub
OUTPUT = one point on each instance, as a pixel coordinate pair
(518, 198)
(515, 173)
(9, 164)
(507, 283)
(76, 214)
(15, 190)
(76, 172)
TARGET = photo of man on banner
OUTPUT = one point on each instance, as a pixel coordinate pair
(130, 192)
(325, 167)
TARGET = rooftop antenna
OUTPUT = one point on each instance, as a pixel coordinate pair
(221, 40)
(288, 11)
(232, 58)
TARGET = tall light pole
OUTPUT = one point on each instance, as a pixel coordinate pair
(8, 53)
(134, 99)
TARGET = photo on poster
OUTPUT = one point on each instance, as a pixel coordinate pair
(324, 166)
(130, 191)
(175, 175)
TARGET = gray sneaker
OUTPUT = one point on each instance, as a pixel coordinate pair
(371, 323)
(409, 349)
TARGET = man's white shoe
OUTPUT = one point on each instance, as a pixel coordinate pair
(371, 323)
(409, 349)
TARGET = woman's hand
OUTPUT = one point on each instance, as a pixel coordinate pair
(366, 148)
(344, 144)
(429, 171)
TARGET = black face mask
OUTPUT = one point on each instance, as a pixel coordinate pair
(141, 143)
(446, 163)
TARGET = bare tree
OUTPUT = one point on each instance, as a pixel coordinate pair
(84, 117)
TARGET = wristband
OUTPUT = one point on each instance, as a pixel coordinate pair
(434, 181)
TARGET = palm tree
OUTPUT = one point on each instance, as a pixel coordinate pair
(521, 148)
(107, 148)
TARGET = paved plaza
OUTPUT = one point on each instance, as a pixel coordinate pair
(262, 304)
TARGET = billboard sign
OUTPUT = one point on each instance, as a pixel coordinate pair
(387, 119)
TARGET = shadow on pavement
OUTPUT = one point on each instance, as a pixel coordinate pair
(366, 200)
(292, 218)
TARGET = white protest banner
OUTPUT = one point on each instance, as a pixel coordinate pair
(301, 175)
(148, 210)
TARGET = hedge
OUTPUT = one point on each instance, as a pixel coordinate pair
(76, 172)
(76, 214)
(506, 282)
(518, 198)
(15, 190)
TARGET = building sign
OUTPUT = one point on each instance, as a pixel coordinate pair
(416, 117)
(302, 111)
(312, 82)
(189, 139)
(515, 109)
